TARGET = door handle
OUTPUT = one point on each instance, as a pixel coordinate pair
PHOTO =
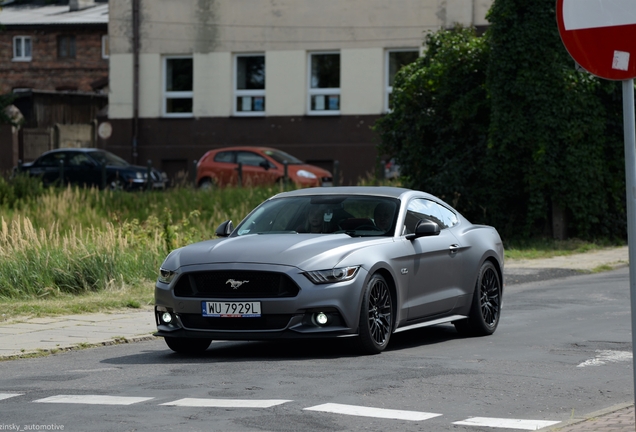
(454, 248)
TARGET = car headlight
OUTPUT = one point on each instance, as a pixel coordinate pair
(306, 174)
(166, 276)
(332, 275)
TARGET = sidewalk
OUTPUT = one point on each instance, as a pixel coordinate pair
(39, 336)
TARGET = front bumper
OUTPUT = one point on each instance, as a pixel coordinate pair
(281, 317)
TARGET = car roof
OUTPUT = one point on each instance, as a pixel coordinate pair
(235, 148)
(76, 149)
(385, 191)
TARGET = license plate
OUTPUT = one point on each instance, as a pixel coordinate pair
(231, 309)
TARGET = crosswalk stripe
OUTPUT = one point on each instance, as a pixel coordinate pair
(9, 395)
(354, 410)
(373, 412)
(506, 423)
(93, 399)
(226, 403)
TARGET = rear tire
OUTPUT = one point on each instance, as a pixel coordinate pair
(187, 345)
(485, 308)
(376, 316)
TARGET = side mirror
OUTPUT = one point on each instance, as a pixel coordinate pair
(264, 164)
(424, 228)
(225, 229)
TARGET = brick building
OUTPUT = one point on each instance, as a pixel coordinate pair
(57, 49)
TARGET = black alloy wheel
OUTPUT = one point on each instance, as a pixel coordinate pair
(376, 316)
(486, 306)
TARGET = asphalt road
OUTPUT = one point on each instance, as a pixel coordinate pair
(563, 348)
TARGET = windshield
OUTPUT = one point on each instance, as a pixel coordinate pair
(282, 157)
(355, 215)
(108, 158)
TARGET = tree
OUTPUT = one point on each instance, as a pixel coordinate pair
(504, 128)
(437, 130)
(552, 146)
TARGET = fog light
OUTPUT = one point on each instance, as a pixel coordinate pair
(166, 317)
(321, 318)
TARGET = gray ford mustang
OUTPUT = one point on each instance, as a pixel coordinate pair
(363, 262)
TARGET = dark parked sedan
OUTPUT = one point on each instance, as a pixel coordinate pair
(91, 167)
(361, 262)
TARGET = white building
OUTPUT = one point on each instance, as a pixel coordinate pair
(307, 76)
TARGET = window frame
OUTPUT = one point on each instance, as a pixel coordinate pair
(248, 93)
(70, 38)
(388, 88)
(165, 94)
(23, 57)
(105, 47)
(327, 91)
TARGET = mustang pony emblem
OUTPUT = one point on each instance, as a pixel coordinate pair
(234, 283)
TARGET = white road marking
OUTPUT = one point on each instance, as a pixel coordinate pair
(584, 14)
(9, 395)
(373, 412)
(506, 423)
(607, 356)
(227, 403)
(93, 399)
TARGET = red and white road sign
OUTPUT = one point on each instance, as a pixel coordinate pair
(600, 35)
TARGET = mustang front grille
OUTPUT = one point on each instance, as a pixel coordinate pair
(235, 284)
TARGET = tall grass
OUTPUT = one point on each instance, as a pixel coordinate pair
(73, 240)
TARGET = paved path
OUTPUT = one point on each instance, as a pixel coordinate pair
(38, 336)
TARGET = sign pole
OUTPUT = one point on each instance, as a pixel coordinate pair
(630, 184)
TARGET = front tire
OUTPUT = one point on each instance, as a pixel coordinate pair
(376, 316)
(116, 183)
(486, 305)
(187, 345)
(206, 184)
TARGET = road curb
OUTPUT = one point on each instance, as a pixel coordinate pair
(76, 347)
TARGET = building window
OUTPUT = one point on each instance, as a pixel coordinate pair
(105, 47)
(249, 89)
(22, 48)
(178, 78)
(324, 83)
(66, 47)
(395, 60)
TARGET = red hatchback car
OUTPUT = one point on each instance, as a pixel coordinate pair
(260, 166)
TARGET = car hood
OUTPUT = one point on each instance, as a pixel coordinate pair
(305, 251)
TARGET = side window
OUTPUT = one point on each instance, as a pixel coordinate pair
(250, 85)
(423, 209)
(226, 157)
(249, 158)
(79, 159)
(52, 160)
(449, 218)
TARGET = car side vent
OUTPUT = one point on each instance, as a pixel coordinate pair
(235, 284)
